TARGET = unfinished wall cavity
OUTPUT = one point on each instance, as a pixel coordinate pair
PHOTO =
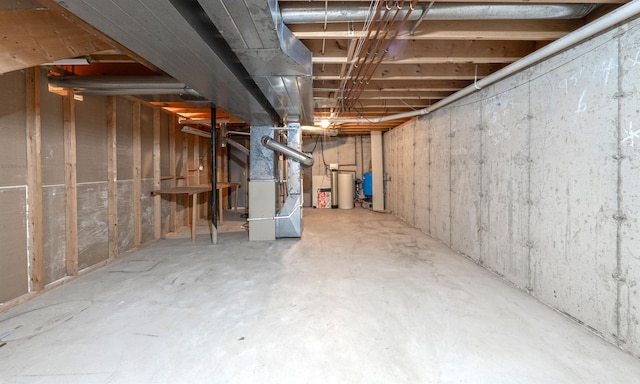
(536, 178)
(87, 217)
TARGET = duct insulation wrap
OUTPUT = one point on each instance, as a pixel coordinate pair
(345, 191)
(334, 189)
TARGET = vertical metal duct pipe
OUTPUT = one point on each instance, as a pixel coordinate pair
(302, 158)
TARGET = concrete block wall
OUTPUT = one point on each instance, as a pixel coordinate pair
(537, 178)
(92, 206)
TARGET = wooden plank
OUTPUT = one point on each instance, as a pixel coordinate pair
(194, 215)
(196, 174)
(71, 187)
(112, 177)
(34, 180)
(173, 126)
(32, 37)
(185, 173)
(137, 177)
(157, 201)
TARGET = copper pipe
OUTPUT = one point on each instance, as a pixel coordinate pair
(402, 23)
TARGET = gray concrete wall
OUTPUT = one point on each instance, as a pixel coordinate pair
(537, 178)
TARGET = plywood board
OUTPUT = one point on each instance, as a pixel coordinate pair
(13, 237)
(147, 216)
(124, 127)
(93, 230)
(165, 164)
(165, 211)
(91, 139)
(54, 221)
(13, 159)
(146, 140)
(39, 36)
(126, 239)
(52, 121)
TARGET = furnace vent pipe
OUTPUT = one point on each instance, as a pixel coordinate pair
(600, 25)
(302, 158)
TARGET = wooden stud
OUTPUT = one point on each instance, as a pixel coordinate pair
(112, 177)
(196, 177)
(157, 200)
(70, 183)
(185, 174)
(137, 177)
(34, 180)
(172, 170)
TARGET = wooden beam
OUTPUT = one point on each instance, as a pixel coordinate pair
(34, 180)
(137, 176)
(521, 30)
(196, 176)
(112, 177)
(71, 187)
(397, 85)
(157, 201)
(185, 173)
(393, 71)
(31, 37)
(434, 52)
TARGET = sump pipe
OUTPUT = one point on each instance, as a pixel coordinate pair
(607, 21)
(293, 154)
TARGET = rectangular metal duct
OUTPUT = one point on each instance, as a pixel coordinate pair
(278, 62)
(159, 33)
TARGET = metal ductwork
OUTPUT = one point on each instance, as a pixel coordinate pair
(302, 158)
(122, 85)
(305, 12)
(177, 37)
(277, 61)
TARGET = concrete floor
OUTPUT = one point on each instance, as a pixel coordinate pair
(361, 298)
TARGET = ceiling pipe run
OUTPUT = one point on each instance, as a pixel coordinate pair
(121, 85)
(600, 25)
(305, 12)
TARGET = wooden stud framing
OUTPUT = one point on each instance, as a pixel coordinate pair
(112, 177)
(157, 201)
(185, 174)
(137, 177)
(196, 177)
(34, 180)
(71, 187)
(172, 171)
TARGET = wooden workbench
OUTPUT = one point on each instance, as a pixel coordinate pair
(193, 191)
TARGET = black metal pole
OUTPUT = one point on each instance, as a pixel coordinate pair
(214, 194)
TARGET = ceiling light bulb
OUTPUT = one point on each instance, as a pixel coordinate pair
(324, 123)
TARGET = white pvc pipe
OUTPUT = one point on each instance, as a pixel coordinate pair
(605, 22)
